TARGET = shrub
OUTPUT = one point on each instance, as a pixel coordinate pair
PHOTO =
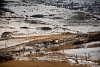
(78, 42)
(4, 58)
(46, 28)
(38, 16)
(94, 38)
(24, 27)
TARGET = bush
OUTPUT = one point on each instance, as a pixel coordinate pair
(37, 50)
(94, 38)
(78, 42)
(24, 27)
(55, 49)
(4, 58)
(38, 16)
(46, 28)
(97, 61)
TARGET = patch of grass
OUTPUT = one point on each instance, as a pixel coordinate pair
(97, 61)
(60, 47)
(95, 37)
(37, 64)
(78, 42)
(5, 58)
(46, 28)
(94, 45)
(35, 55)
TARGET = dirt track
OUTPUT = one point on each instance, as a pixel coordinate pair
(39, 39)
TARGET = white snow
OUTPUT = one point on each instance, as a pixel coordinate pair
(14, 25)
(13, 42)
(84, 29)
(91, 43)
(56, 24)
(93, 52)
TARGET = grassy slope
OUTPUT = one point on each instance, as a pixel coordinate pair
(37, 64)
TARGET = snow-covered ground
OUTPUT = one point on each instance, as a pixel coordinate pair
(70, 60)
(83, 29)
(33, 28)
(57, 25)
(91, 43)
(13, 42)
(93, 52)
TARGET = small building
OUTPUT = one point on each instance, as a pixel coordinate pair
(6, 35)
